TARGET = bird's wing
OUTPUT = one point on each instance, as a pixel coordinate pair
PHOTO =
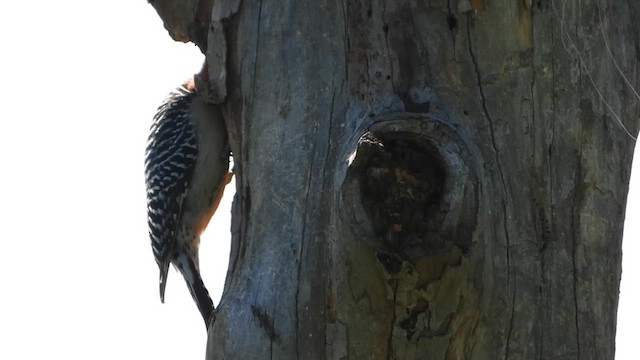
(170, 158)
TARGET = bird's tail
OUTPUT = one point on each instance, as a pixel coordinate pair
(189, 269)
(164, 271)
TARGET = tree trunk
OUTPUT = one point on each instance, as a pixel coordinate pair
(424, 179)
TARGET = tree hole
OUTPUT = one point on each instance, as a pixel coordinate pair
(409, 189)
(401, 182)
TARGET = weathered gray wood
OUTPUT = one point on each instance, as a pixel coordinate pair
(480, 218)
(186, 20)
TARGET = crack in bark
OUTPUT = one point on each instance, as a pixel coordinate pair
(553, 111)
(246, 126)
(386, 30)
(550, 176)
(542, 213)
(393, 322)
(326, 160)
(243, 189)
(305, 212)
(305, 219)
(255, 59)
(273, 323)
(574, 224)
(347, 45)
(511, 317)
(301, 253)
(574, 246)
(366, 58)
(574, 215)
(326, 157)
(453, 37)
(501, 173)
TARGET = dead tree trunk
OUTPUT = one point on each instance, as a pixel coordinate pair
(423, 179)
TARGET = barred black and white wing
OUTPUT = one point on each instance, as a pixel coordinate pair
(171, 154)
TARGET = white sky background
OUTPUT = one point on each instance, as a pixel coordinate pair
(80, 83)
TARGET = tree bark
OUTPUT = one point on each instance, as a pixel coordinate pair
(424, 179)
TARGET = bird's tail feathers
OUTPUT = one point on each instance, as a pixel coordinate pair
(164, 271)
(189, 269)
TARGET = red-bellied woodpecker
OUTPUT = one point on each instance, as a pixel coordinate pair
(186, 170)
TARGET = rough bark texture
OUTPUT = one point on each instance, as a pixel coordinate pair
(185, 20)
(424, 179)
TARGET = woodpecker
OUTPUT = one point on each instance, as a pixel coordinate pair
(186, 170)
